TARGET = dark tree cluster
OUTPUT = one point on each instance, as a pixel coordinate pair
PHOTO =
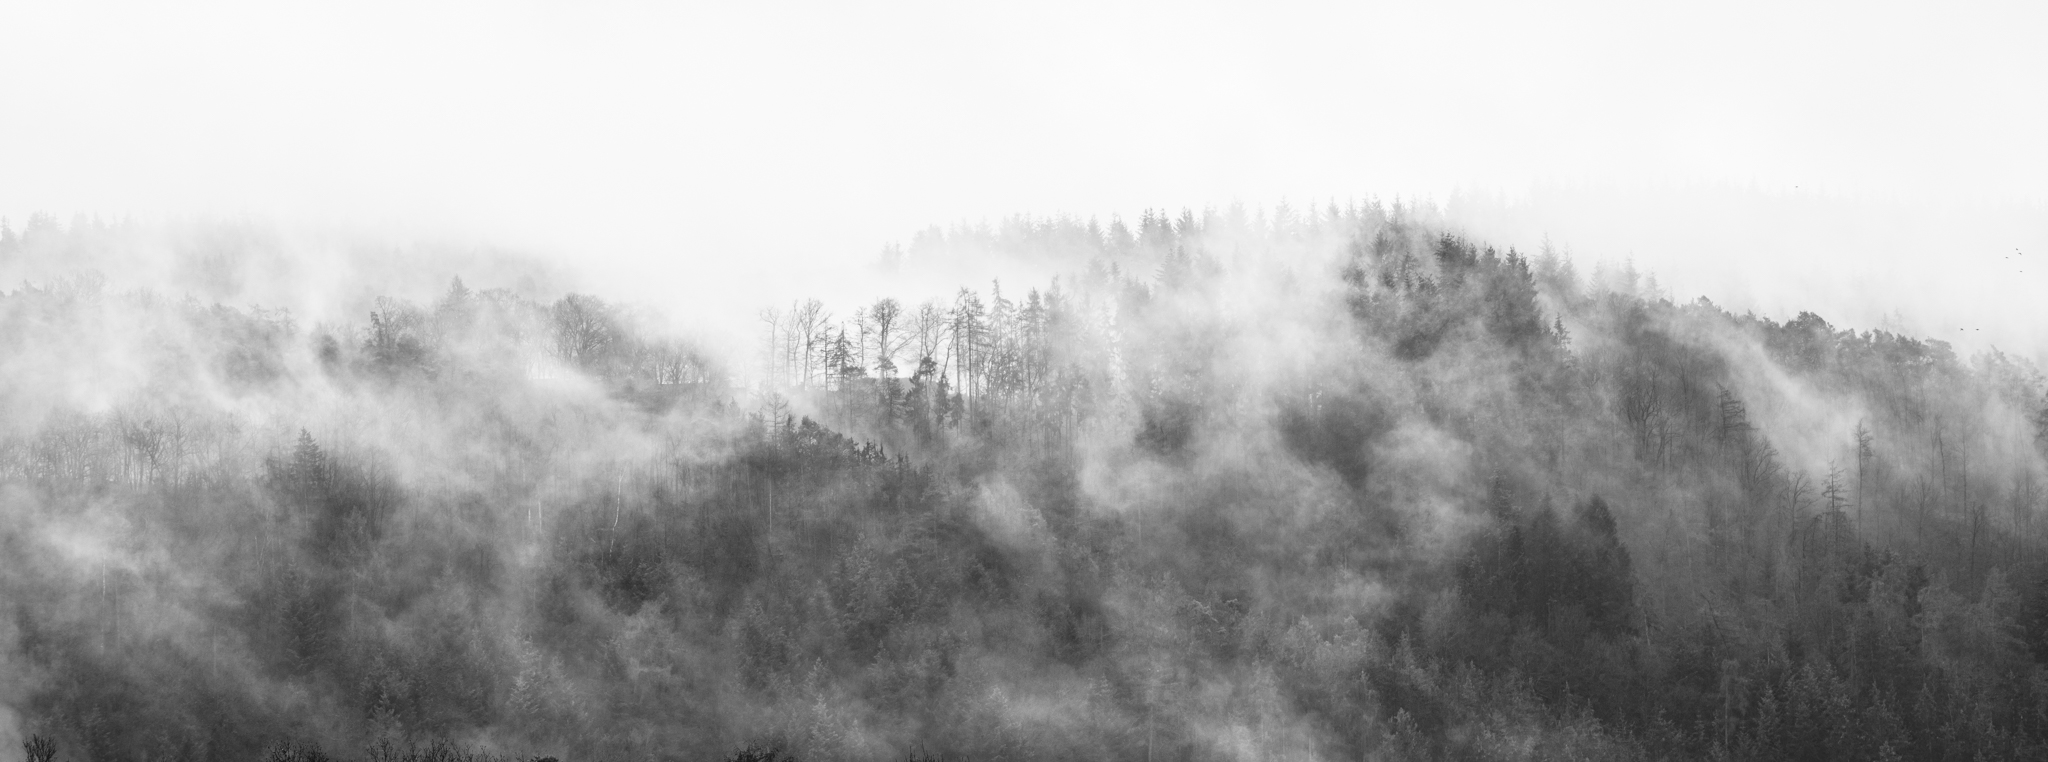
(1329, 483)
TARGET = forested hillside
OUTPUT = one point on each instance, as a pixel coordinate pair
(1330, 484)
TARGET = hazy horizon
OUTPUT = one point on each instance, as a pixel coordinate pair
(1873, 164)
(1177, 382)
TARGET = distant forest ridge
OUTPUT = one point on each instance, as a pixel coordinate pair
(1335, 483)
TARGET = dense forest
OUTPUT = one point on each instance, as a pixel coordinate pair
(1330, 483)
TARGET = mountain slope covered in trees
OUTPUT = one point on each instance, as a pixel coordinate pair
(1326, 485)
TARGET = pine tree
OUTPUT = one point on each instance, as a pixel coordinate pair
(308, 473)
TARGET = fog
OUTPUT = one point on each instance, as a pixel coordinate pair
(1172, 382)
(672, 146)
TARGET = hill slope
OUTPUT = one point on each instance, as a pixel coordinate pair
(1322, 487)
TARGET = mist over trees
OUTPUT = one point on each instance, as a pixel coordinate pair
(1319, 483)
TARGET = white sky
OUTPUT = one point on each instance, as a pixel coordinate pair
(1863, 158)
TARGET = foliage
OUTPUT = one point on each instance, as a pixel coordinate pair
(1319, 483)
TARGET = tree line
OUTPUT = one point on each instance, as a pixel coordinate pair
(1347, 488)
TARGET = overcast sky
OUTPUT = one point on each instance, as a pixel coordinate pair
(1873, 159)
